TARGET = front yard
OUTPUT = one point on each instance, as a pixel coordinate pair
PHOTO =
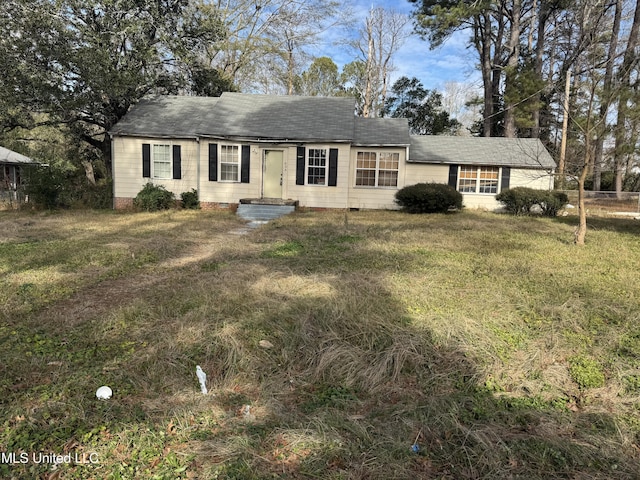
(333, 342)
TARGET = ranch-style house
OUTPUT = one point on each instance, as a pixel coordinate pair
(312, 151)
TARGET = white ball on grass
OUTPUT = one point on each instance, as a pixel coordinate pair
(104, 393)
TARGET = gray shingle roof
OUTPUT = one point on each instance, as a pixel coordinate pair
(272, 117)
(167, 116)
(265, 117)
(381, 131)
(508, 152)
(316, 119)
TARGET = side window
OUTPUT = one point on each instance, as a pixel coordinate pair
(229, 163)
(161, 155)
(317, 166)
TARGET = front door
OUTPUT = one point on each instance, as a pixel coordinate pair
(272, 180)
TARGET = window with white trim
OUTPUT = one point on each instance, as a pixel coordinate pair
(161, 155)
(377, 169)
(229, 163)
(478, 179)
(317, 166)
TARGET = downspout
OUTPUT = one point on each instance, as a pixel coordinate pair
(113, 172)
(406, 163)
(349, 180)
(198, 167)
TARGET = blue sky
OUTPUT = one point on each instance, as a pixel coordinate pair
(452, 61)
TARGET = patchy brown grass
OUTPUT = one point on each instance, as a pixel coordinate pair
(475, 335)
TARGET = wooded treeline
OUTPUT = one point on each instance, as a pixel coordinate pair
(72, 68)
(525, 51)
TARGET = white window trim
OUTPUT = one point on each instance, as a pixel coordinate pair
(153, 161)
(307, 166)
(220, 162)
(377, 170)
(477, 189)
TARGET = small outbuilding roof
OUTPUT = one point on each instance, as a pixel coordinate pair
(9, 156)
(505, 152)
(242, 116)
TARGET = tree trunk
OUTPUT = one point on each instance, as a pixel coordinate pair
(543, 16)
(497, 65)
(512, 67)
(607, 99)
(368, 90)
(88, 171)
(624, 88)
(482, 39)
(581, 231)
(290, 71)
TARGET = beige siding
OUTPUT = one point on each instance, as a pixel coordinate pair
(318, 196)
(229, 192)
(127, 166)
(426, 173)
(538, 179)
(375, 197)
(128, 179)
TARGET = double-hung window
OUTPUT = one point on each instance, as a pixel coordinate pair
(229, 163)
(478, 179)
(161, 161)
(317, 166)
(377, 169)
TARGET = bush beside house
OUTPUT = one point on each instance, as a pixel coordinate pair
(153, 198)
(429, 198)
(525, 201)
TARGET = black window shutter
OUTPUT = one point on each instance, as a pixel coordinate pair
(177, 162)
(453, 176)
(506, 177)
(300, 161)
(333, 167)
(245, 163)
(146, 160)
(213, 162)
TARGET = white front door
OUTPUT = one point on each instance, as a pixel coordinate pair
(272, 179)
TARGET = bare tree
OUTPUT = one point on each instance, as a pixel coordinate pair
(457, 100)
(297, 26)
(256, 31)
(383, 33)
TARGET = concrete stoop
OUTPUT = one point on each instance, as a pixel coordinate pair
(260, 211)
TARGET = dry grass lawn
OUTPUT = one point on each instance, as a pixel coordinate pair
(332, 341)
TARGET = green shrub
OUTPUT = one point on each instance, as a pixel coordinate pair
(61, 185)
(48, 186)
(521, 200)
(518, 200)
(552, 202)
(154, 197)
(190, 199)
(586, 372)
(429, 198)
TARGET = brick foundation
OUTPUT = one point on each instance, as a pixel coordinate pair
(218, 206)
(125, 203)
(122, 203)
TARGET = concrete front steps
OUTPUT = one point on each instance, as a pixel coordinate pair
(258, 211)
